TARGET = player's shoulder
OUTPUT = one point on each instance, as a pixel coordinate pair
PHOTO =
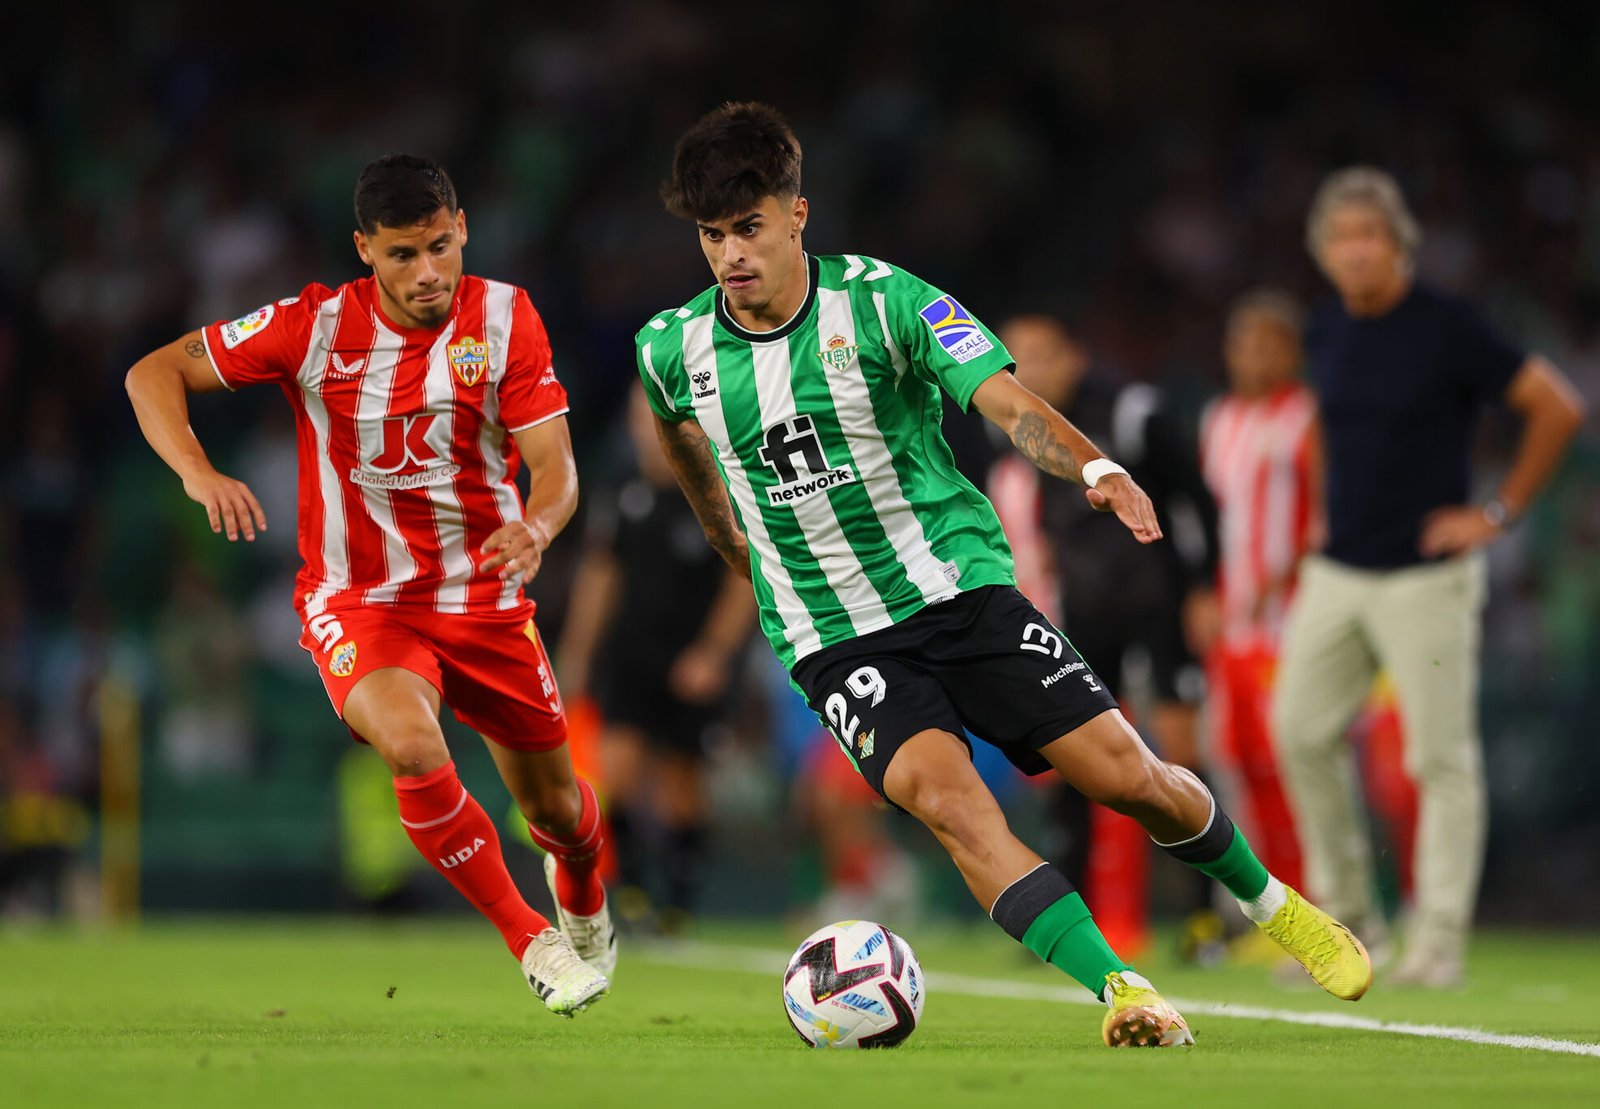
(668, 324)
(487, 287)
(285, 317)
(861, 271)
(312, 300)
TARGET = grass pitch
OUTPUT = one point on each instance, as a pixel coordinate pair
(432, 1013)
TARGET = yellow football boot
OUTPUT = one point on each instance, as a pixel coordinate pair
(1140, 1017)
(1327, 949)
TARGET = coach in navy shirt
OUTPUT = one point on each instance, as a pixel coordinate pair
(1401, 371)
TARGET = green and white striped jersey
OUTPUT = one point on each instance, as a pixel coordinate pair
(826, 431)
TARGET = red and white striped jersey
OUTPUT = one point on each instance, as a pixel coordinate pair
(406, 457)
(1255, 454)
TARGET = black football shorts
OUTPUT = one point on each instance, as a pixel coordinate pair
(985, 661)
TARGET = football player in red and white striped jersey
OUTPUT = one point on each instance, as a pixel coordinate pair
(417, 393)
(1258, 454)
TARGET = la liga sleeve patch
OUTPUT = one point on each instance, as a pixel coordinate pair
(958, 333)
(246, 326)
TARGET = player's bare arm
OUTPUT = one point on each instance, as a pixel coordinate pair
(1552, 411)
(689, 454)
(518, 548)
(1048, 440)
(159, 386)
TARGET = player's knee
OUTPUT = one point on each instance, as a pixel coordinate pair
(555, 809)
(951, 811)
(413, 752)
(1137, 786)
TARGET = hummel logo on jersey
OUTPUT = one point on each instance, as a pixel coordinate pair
(794, 441)
(705, 384)
(342, 368)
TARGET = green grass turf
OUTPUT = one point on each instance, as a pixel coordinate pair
(262, 1012)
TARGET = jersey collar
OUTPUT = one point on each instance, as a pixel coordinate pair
(788, 327)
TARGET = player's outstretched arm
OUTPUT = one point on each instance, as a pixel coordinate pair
(517, 549)
(159, 386)
(1048, 440)
(689, 454)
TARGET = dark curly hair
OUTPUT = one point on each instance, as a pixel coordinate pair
(730, 160)
(402, 190)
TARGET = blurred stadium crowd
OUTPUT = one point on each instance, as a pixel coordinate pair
(1130, 167)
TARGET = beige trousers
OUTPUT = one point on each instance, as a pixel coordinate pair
(1423, 625)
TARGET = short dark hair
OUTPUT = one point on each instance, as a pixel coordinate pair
(402, 190)
(730, 160)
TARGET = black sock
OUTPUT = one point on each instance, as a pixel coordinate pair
(685, 846)
(625, 843)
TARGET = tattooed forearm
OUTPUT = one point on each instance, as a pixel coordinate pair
(1040, 444)
(689, 453)
(194, 348)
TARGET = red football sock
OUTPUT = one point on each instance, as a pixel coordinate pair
(454, 834)
(577, 855)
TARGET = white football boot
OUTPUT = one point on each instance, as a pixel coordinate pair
(594, 937)
(565, 983)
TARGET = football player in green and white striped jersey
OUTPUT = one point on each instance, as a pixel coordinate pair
(798, 401)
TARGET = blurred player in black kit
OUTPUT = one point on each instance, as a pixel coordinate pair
(1126, 609)
(655, 634)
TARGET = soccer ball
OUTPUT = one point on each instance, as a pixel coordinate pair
(853, 984)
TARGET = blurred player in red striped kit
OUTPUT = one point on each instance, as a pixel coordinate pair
(417, 393)
(1257, 451)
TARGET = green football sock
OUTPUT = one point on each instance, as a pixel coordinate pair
(1238, 869)
(1066, 936)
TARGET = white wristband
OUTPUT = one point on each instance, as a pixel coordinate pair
(1099, 468)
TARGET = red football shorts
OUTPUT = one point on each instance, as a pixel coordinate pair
(491, 670)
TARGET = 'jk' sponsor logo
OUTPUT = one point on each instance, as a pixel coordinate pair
(404, 458)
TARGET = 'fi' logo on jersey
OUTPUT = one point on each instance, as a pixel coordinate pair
(343, 663)
(838, 353)
(468, 359)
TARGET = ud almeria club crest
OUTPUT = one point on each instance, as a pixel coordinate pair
(468, 359)
(838, 353)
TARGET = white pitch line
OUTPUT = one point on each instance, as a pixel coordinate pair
(757, 961)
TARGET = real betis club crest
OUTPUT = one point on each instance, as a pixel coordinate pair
(838, 354)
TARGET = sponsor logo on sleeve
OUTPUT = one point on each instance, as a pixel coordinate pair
(245, 326)
(469, 358)
(956, 330)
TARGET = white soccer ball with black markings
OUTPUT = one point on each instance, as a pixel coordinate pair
(853, 984)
